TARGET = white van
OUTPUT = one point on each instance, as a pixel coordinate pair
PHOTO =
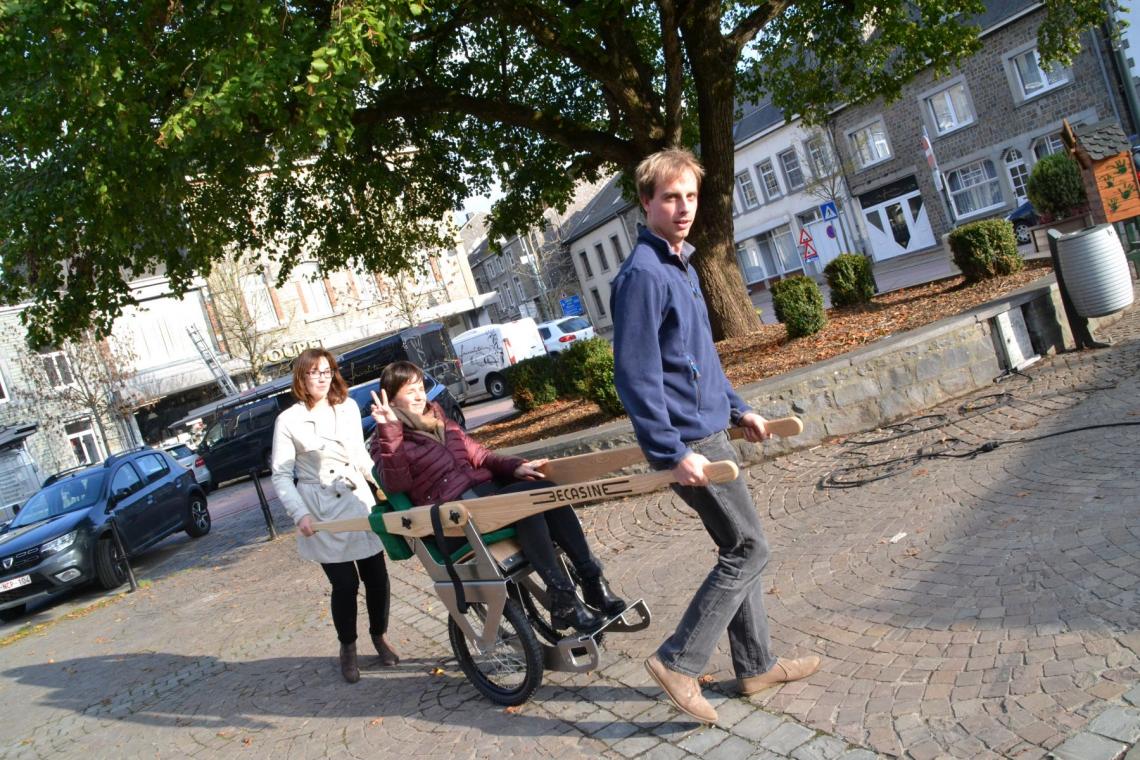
(485, 351)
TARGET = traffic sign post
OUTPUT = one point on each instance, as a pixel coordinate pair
(809, 254)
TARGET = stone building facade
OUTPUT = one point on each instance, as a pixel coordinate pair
(987, 123)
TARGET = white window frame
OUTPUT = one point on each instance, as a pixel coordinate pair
(991, 181)
(1018, 184)
(749, 198)
(820, 156)
(367, 291)
(1053, 143)
(258, 302)
(1057, 76)
(766, 171)
(89, 447)
(317, 299)
(56, 363)
(873, 154)
(945, 97)
(797, 169)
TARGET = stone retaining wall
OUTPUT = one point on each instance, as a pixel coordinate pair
(892, 379)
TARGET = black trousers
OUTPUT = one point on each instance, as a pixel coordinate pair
(345, 578)
(538, 535)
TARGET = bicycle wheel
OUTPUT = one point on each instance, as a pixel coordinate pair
(510, 670)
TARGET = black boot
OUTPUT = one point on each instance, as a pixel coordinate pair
(598, 595)
(567, 611)
(348, 667)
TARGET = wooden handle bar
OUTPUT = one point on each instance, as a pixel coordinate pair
(595, 464)
(494, 512)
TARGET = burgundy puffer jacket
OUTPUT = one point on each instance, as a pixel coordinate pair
(414, 463)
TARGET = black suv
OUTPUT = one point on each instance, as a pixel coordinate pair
(242, 437)
(61, 537)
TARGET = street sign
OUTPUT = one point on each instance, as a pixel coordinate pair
(806, 243)
(571, 306)
(829, 211)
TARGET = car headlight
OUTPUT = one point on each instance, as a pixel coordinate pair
(58, 544)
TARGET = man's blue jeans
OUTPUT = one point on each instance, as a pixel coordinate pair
(732, 595)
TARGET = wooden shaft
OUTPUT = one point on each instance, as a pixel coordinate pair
(340, 526)
(494, 512)
(595, 464)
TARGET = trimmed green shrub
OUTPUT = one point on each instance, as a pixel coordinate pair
(799, 305)
(571, 365)
(598, 380)
(985, 249)
(1055, 187)
(850, 279)
(532, 382)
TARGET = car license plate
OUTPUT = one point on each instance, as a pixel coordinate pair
(23, 580)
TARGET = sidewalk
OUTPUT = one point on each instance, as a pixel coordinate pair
(1004, 622)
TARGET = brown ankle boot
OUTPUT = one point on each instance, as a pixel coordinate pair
(348, 667)
(388, 656)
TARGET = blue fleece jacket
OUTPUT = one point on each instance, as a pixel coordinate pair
(666, 368)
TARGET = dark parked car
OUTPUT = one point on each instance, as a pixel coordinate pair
(436, 391)
(61, 537)
(241, 438)
(1023, 217)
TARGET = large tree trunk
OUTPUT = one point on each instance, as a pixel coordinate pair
(713, 62)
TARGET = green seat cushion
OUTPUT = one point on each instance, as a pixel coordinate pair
(398, 547)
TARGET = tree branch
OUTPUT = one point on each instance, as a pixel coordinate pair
(674, 74)
(566, 132)
(751, 24)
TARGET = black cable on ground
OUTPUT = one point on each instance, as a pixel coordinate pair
(899, 465)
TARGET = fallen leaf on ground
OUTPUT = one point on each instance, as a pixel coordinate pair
(512, 709)
(438, 671)
(376, 721)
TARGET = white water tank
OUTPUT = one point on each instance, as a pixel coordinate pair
(1095, 271)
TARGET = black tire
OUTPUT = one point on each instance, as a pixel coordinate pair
(1021, 232)
(510, 672)
(108, 564)
(197, 516)
(496, 385)
(13, 614)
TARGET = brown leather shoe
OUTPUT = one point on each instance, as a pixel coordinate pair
(782, 672)
(682, 690)
(348, 667)
(388, 656)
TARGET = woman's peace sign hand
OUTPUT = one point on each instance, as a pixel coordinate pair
(381, 411)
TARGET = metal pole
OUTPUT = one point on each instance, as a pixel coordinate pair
(118, 539)
(253, 474)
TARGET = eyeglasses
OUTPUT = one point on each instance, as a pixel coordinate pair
(314, 373)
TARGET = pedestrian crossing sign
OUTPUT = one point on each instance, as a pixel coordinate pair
(829, 211)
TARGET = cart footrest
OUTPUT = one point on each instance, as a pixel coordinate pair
(580, 652)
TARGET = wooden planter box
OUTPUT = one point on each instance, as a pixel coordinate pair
(1040, 234)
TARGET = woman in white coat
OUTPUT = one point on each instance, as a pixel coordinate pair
(321, 471)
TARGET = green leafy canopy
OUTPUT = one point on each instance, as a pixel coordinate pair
(156, 136)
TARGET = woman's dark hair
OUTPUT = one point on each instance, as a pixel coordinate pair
(309, 359)
(398, 374)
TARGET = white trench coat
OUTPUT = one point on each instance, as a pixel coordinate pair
(334, 480)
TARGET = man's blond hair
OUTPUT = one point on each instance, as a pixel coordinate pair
(663, 166)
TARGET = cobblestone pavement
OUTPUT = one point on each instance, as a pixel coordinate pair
(973, 606)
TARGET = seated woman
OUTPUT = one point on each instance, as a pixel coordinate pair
(419, 451)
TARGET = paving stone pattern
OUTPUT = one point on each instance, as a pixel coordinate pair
(1004, 623)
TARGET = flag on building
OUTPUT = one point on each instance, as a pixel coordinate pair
(931, 161)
